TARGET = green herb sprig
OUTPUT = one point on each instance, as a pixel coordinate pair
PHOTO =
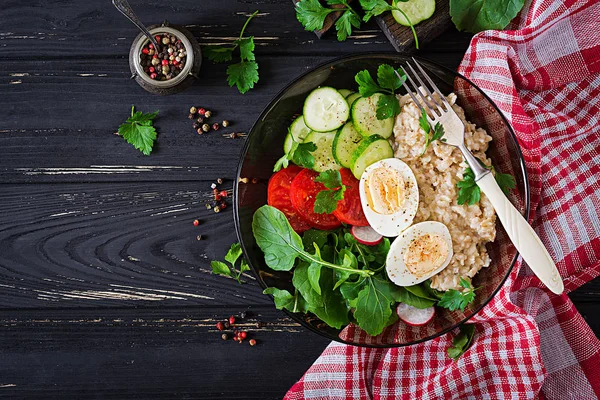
(327, 200)
(139, 131)
(311, 14)
(387, 84)
(244, 74)
(437, 133)
(234, 253)
(462, 341)
(374, 8)
(470, 193)
(457, 300)
(300, 154)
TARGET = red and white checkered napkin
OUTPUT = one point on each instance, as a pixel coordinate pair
(544, 74)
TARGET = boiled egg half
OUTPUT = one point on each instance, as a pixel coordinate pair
(389, 196)
(420, 252)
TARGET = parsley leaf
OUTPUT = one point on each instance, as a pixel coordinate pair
(387, 106)
(456, 300)
(506, 182)
(299, 154)
(469, 192)
(311, 14)
(437, 134)
(244, 74)
(327, 200)
(387, 78)
(462, 341)
(234, 253)
(374, 8)
(366, 85)
(138, 130)
(424, 123)
(387, 82)
(345, 23)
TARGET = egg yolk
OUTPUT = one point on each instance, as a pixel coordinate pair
(385, 190)
(425, 254)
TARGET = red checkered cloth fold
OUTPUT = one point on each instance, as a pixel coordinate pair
(543, 72)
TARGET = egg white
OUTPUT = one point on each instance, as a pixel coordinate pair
(393, 224)
(396, 268)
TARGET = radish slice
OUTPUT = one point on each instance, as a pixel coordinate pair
(366, 235)
(415, 316)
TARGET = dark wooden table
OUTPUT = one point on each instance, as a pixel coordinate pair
(105, 292)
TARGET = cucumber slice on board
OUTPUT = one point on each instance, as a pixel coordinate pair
(352, 98)
(299, 130)
(345, 92)
(347, 139)
(324, 159)
(325, 109)
(370, 150)
(287, 143)
(416, 10)
(364, 116)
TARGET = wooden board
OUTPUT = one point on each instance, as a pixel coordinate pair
(401, 37)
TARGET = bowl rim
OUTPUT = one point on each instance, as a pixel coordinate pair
(358, 56)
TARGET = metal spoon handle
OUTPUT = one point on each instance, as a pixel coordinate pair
(125, 9)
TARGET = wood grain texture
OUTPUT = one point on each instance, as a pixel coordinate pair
(401, 37)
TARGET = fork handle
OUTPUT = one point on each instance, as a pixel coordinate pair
(522, 235)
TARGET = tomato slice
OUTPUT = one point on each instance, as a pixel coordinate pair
(349, 210)
(303, 194)
(278, 196)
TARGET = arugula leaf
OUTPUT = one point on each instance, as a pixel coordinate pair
(468, 191)
(350, 291)
(457, 300)
(311, 14)
(374, 304)
(284, 299)
(506, 182)
(243, 75)
(479, 15)
(138, 130)
(348, 260)
(412, 298)
(312, 237)
(232, 256)
(282, 246)
(327, 200)
(462, 341)
(366, 85)
(345, 23)
(387, 106)
(314, 274)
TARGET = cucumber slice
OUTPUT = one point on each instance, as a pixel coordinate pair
(325, 109)
(371, 149)
(346, 141)
(345, 92)
(415, 10)
(364, 116)
(324, 154)
(299, 130)
(287, 143)
(352, 98)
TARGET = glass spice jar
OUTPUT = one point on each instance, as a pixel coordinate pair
(186, 75)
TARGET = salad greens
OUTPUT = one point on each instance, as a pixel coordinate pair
(234, 253)
(470, 193)
(387, 83)
(300, 154)
(462, 341)
(338, 279)
(480, 15)
(327, 200)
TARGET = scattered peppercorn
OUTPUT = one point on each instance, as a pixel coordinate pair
(199, 237)
(191, 116)
(196, 125)
(225, 123)
(206, 127)
(243, 334)
(219, 181)
(224, 336)
(232, 320)
(252, 342)
(208, 206)
(220, 326)
(200, 131)
(193, 110)
(207, 114)
(200, 120)
(196, 222)
(217, 209)
(223, 193)
(222, 205)
(216, 126)
(201, 112)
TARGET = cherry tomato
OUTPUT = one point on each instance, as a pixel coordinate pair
(349, 210)
(278, 196)
(303, 194)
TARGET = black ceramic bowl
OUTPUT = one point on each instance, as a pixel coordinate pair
(264, 146)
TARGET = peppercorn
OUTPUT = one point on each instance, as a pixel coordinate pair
(196, 222)
(215, 191)
(223, 205)
(206, 127)
(252, 342)
(220, 326)
(216, 126)
(200, 131)
(219, 181)
(196, 125)
(153, 76)
(202, 112)
(217, 209)
(217, 197)
(200, 120)
(208, 206)
(207, 114)
(224, 336)
(199, 237)
(193, 110)
(223, 193)
(232, 320)
(225, 123)
(243, 335)
(227, 325)
(191, 116)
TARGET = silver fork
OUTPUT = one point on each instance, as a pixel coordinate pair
(522, 235)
